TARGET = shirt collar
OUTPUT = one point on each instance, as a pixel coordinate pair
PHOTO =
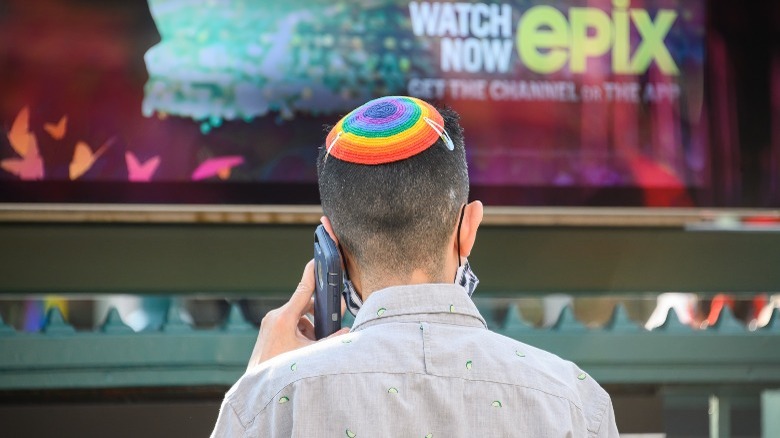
(445, 303)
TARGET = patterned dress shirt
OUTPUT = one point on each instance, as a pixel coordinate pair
(419, 362)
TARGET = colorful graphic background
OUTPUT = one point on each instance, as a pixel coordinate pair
(201, 91)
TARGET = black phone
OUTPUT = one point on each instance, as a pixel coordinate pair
(328, 279)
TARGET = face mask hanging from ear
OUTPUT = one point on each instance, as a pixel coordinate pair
(348, 292)
(351, 297)
(466, 278)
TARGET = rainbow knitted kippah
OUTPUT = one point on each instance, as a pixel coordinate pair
(385, 130)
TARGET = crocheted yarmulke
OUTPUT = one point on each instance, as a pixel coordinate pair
(385, 130)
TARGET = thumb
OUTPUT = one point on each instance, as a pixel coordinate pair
(301, 298)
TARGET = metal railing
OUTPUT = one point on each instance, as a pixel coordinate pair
(621, 352)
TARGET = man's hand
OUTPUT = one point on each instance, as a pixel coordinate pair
(287, 328)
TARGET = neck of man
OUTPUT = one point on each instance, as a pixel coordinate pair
(368, 284)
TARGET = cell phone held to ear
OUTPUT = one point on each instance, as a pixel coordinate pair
(328, 279)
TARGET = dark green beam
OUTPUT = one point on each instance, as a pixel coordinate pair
(268, 259)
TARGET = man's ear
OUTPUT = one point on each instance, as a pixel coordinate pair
(472, 217)
(329, 229)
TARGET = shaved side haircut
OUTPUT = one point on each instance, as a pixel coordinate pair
(397, 217)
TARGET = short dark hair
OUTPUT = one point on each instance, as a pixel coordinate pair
(397, 217)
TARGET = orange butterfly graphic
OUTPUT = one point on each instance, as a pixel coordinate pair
(57, 131)
(24, 142)
(84, 158)
(140, 172)
(20, 135)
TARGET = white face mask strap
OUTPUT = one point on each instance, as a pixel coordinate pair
(333, 143)
(442, 133)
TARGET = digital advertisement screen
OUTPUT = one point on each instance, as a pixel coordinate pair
(568, 102)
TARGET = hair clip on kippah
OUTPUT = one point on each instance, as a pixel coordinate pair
(442, 133)
(333, 143)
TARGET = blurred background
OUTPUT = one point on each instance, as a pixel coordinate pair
(158, 193)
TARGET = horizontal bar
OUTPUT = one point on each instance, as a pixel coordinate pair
(97, 361)
(250, 260)
(178, 355)
(310, 214)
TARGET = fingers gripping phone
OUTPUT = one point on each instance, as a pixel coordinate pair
(328, 278)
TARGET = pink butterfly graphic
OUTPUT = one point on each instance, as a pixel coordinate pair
(140, 172)
(219, 166)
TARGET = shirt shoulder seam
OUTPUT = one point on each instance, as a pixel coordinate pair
(598, 423)
(238, 417)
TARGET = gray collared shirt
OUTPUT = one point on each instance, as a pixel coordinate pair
(419, 362)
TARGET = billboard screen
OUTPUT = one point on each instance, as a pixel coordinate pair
(569, 102)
